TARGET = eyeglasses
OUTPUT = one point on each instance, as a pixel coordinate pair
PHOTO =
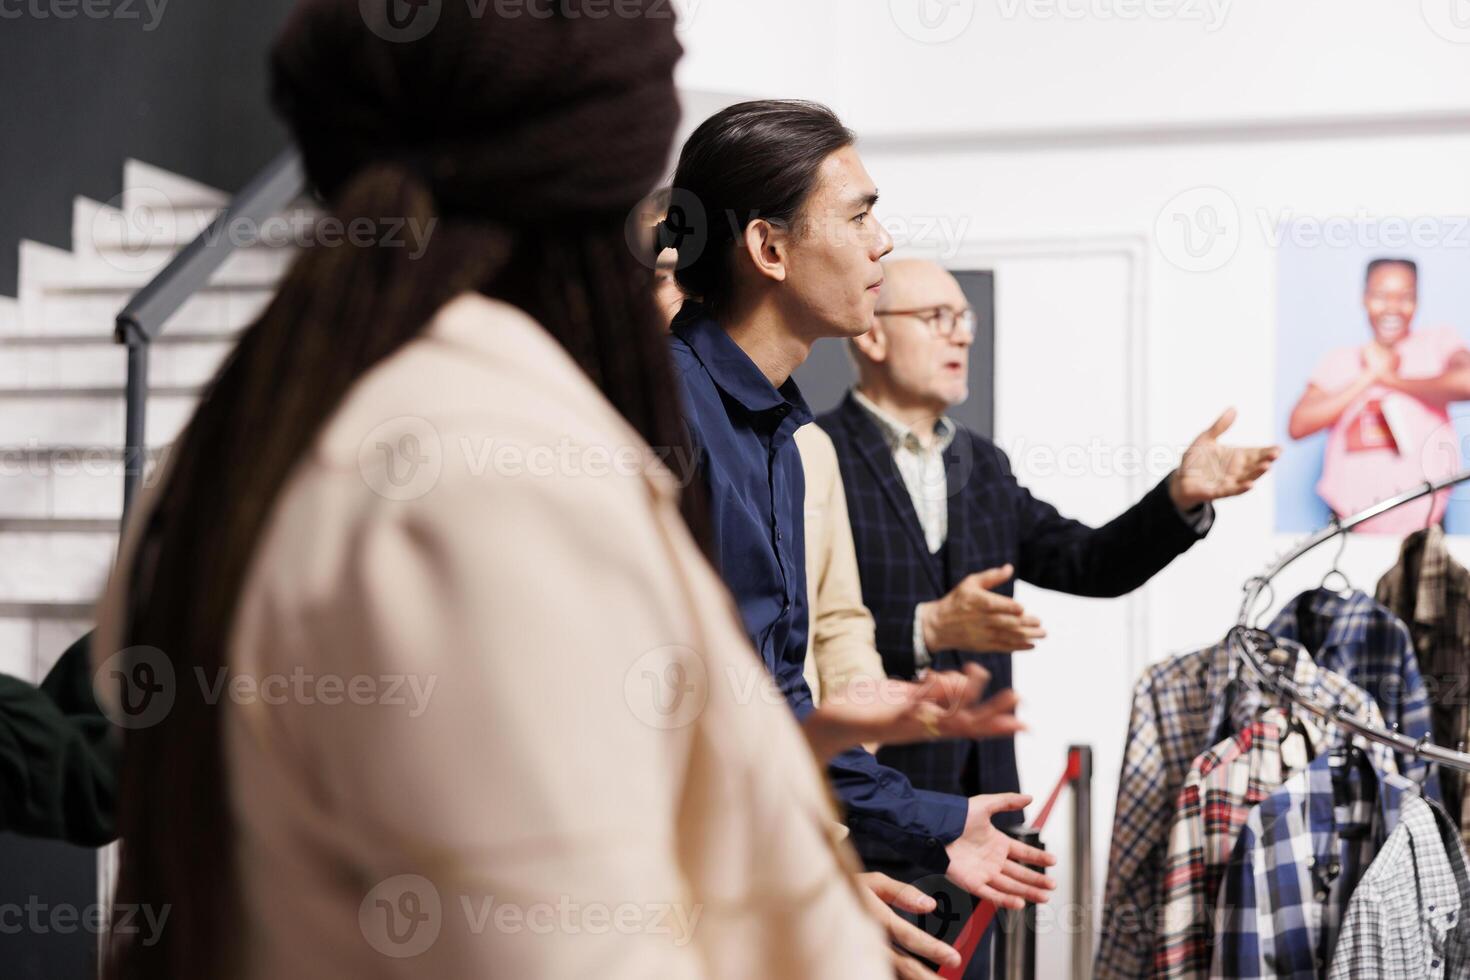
(944, 321)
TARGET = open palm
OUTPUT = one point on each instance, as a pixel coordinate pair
(1210, 471)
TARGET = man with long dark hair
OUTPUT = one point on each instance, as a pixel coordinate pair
(786, 251)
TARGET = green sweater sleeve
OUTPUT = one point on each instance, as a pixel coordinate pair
(59, 755)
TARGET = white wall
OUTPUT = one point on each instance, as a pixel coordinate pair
(1069, 154)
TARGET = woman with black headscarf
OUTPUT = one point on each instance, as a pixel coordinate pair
(429, 677)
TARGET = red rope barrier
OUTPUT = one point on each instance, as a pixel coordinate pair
(984, 914)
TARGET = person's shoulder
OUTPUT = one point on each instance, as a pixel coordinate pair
(482, 382)
(1445, 339)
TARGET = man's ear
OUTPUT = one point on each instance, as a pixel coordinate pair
(767, 247)
(873, 345)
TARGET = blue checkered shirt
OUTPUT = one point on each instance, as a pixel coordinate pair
(1359, 638)
(1181, 707)
(1294, 868)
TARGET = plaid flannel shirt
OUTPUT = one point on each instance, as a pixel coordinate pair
(1408, 917)
(1361, 639)
(1179, 706)
(1430, 592)
(1299, 857)
(1214, 803)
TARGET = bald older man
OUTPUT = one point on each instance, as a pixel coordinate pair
(942, 527)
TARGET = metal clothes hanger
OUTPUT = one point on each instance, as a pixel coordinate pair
(1347, 586)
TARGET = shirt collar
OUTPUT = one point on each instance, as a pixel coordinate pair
(732, 370)
(897, 434)
(1347, 618)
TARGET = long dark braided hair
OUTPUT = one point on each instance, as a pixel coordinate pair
(522, 142)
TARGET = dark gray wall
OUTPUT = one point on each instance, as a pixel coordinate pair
(184, 89)
(80, 96)
(828, 372)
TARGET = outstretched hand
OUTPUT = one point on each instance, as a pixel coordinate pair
(1210, 471)
(991, 865)
(945, 704)
(882, 895)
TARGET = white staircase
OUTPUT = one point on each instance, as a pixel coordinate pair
(62, 402)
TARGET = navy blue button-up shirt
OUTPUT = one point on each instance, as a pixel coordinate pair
(742, 428)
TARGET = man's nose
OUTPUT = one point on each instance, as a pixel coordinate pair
(883, 244)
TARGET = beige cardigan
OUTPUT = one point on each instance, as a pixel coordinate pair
(840, 643)
(533, 740)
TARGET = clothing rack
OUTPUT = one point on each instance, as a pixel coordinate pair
(1258, 650)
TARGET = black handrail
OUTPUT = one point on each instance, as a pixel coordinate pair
(282, 181)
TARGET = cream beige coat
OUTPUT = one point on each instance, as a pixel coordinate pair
(531, 739)
(840, 644)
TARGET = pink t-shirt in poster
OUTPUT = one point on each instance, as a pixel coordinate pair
(1387, 442)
